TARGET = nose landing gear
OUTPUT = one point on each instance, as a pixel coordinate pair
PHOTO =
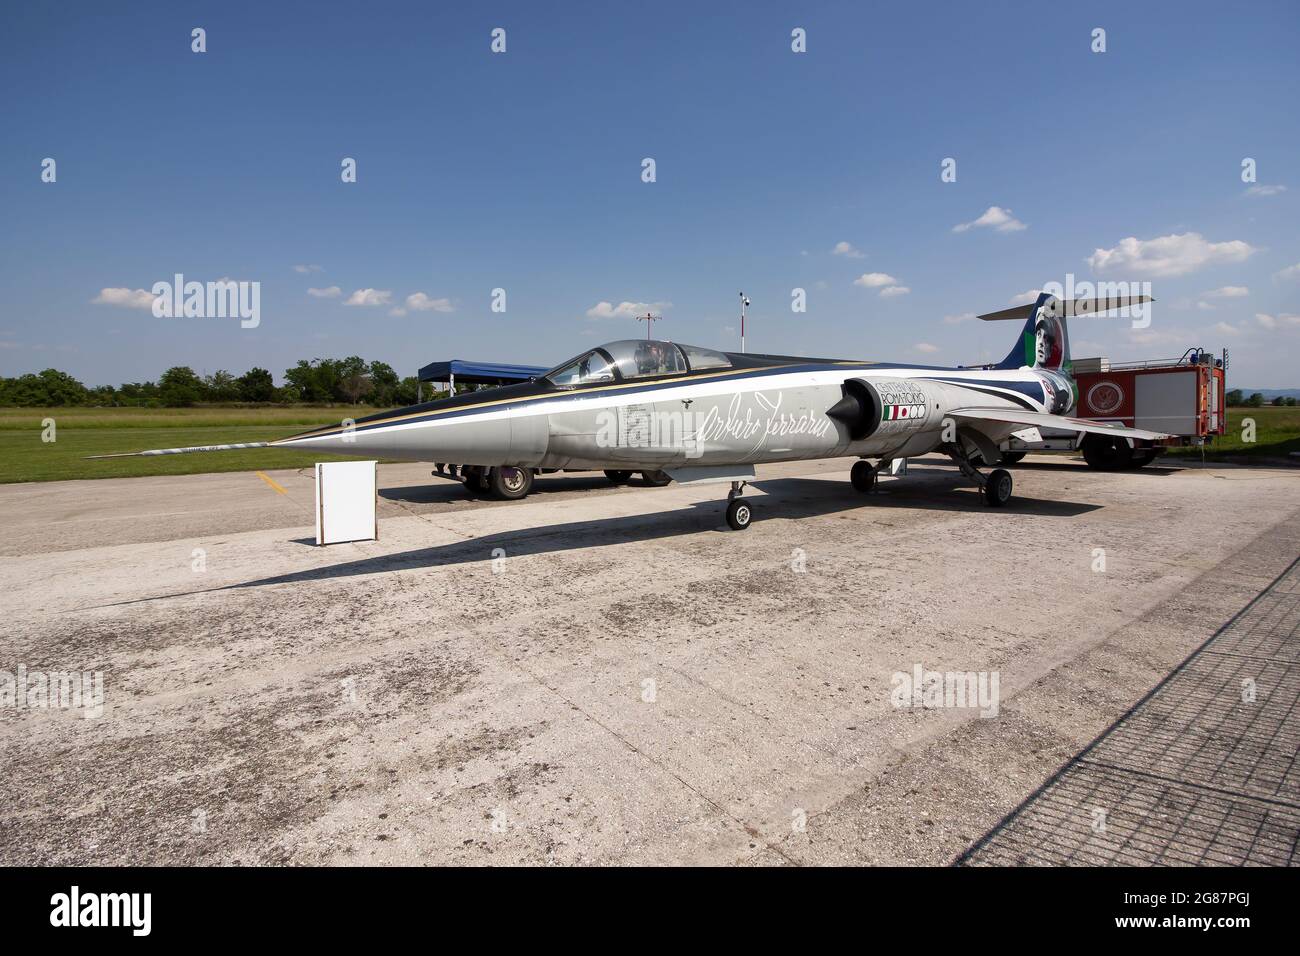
(739, 513)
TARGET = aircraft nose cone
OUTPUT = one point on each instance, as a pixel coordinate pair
(465, 439)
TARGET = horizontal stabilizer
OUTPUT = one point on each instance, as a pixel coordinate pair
(183, 451)
(1068, 310)
(1018, 416)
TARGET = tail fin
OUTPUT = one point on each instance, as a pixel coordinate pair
(1044, 342)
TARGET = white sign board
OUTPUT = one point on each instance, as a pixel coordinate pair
(346, 493)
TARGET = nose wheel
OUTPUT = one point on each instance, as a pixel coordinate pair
(739, 513)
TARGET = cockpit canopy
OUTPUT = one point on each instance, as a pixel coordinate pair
(634, 358)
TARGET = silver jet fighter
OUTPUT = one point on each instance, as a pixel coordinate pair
(701, 415)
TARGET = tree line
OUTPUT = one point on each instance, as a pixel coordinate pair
(318, 382)
(1256, 399)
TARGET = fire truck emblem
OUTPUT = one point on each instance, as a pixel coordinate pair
(1105, 397)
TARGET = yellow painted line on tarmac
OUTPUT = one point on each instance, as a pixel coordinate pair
(272, 482)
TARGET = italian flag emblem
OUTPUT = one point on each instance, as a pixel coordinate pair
(894, 413)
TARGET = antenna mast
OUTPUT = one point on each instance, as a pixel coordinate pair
(649, 319)
(744, 303)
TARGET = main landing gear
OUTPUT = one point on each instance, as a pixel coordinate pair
(504, 483)
(739, 513)
(863, 477)
(995, 486)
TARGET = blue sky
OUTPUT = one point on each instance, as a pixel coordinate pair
(522, 171)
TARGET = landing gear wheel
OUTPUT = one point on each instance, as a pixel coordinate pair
(510, 484)
(1011, 457)
(739, 514)
(1106, 452)
(863, 477)
(997, 487)
(1143, 456)
(655, 479)
(619, 477)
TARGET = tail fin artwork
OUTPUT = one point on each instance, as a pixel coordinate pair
(1044, 342)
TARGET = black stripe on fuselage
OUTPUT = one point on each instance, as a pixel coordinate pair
(1023, 402)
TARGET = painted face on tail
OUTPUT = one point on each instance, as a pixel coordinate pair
(1048, 342)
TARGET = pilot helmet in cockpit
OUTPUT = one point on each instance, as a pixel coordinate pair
(649, 358)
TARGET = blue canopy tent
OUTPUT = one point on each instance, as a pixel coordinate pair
(476, 373)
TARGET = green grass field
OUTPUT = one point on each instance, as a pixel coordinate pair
(1277, 434)
(104, 431)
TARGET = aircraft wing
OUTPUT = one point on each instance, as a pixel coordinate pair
(1020, 416)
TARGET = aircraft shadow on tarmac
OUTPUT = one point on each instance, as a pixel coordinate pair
(1152, 470)
(441, 489)
(785, 498)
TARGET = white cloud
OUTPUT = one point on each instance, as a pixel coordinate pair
(1024, 298)
(625, 310)
(1279, 321)
(873, 280)
(890, 291)
(846, 249)
(1262, 190)
(370, 297)
(1205, 307)
(925, 347)
(996, 218)
(304, 270)
(956, 319)
(1290, 272)
(1169, 336)
(419, 302)
(331, 292)
(1172, 255)
(125, 298)
(1228, 292)
(1223, 328)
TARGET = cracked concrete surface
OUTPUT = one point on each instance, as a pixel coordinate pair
(631, 684)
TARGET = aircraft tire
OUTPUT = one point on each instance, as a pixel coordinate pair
(510, 484)
(655, 479)
(618, 477)
(863, 476)
(739, 514)
(1105, 452)
(1011, 457)
(997, 489)
(1143, 457)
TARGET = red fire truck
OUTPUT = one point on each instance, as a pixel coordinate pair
(1184, 397)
